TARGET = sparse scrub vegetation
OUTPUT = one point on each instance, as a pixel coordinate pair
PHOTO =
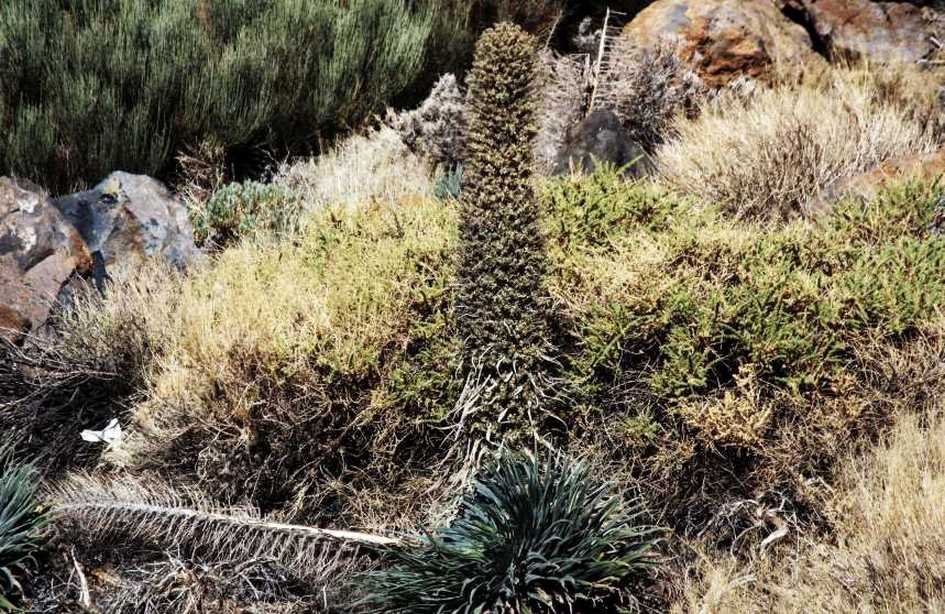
(412, 374)
(648, 90)
(561, 104)
(887, 513)
(711, 361)
(742, 348)
(311, 328)
(769, 156)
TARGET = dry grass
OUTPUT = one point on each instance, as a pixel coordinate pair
(201, 171)
(649, 90)
(142, 580)
(885, 548)
(561, 100)
(89, 372)
(372, 167)
(769, 156)
(888, 553)
(265, 361)
(918, 92)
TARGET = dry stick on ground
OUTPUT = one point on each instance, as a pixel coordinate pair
(180, 517)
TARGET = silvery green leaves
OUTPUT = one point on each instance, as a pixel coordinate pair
(20, 522)
(530, 537)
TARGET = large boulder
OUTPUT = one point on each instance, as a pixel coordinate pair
(127, 219)
(722, 40)
(40, 254)
(600, 137)
(51, 247)
(863, 29)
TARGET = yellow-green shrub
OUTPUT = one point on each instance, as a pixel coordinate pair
(273, 360)
(747, 350)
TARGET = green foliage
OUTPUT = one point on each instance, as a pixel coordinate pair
(449, 185)
(88, 86)
(239, 210)
(528, 539)
(589, 211)
(501, 304)
(20, 521)
(720, 359)
(709, 300)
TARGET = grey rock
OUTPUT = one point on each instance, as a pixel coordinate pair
(600, 137)
(127, 219)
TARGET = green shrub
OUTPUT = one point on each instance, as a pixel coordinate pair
(241, 209)
(590, 211)
(90, 86)
(719, 296)
(748, 354)
(20, 521)
(501, 301)
(527, 539)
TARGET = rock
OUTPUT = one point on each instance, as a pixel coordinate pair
(40, 253)
(862, 29)
(867, 186)
(127, 219)
(50, 247)
(722, 40)
(600, 137)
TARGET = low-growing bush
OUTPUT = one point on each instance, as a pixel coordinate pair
(648, 90)
(528, 538)
(708, 361)
(590, 211)
(240, 210)
(723, 354)
(888, 515)
(275, 361)
(437, 129)
(245, 75)
(769, 155)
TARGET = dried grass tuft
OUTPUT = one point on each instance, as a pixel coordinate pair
(374, 167)
(887, 551)
(771, 154)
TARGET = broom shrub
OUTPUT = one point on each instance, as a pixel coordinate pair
(90, 86)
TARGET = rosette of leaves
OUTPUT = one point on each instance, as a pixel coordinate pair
(449, 184)
(529, 538)
(21, 519)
